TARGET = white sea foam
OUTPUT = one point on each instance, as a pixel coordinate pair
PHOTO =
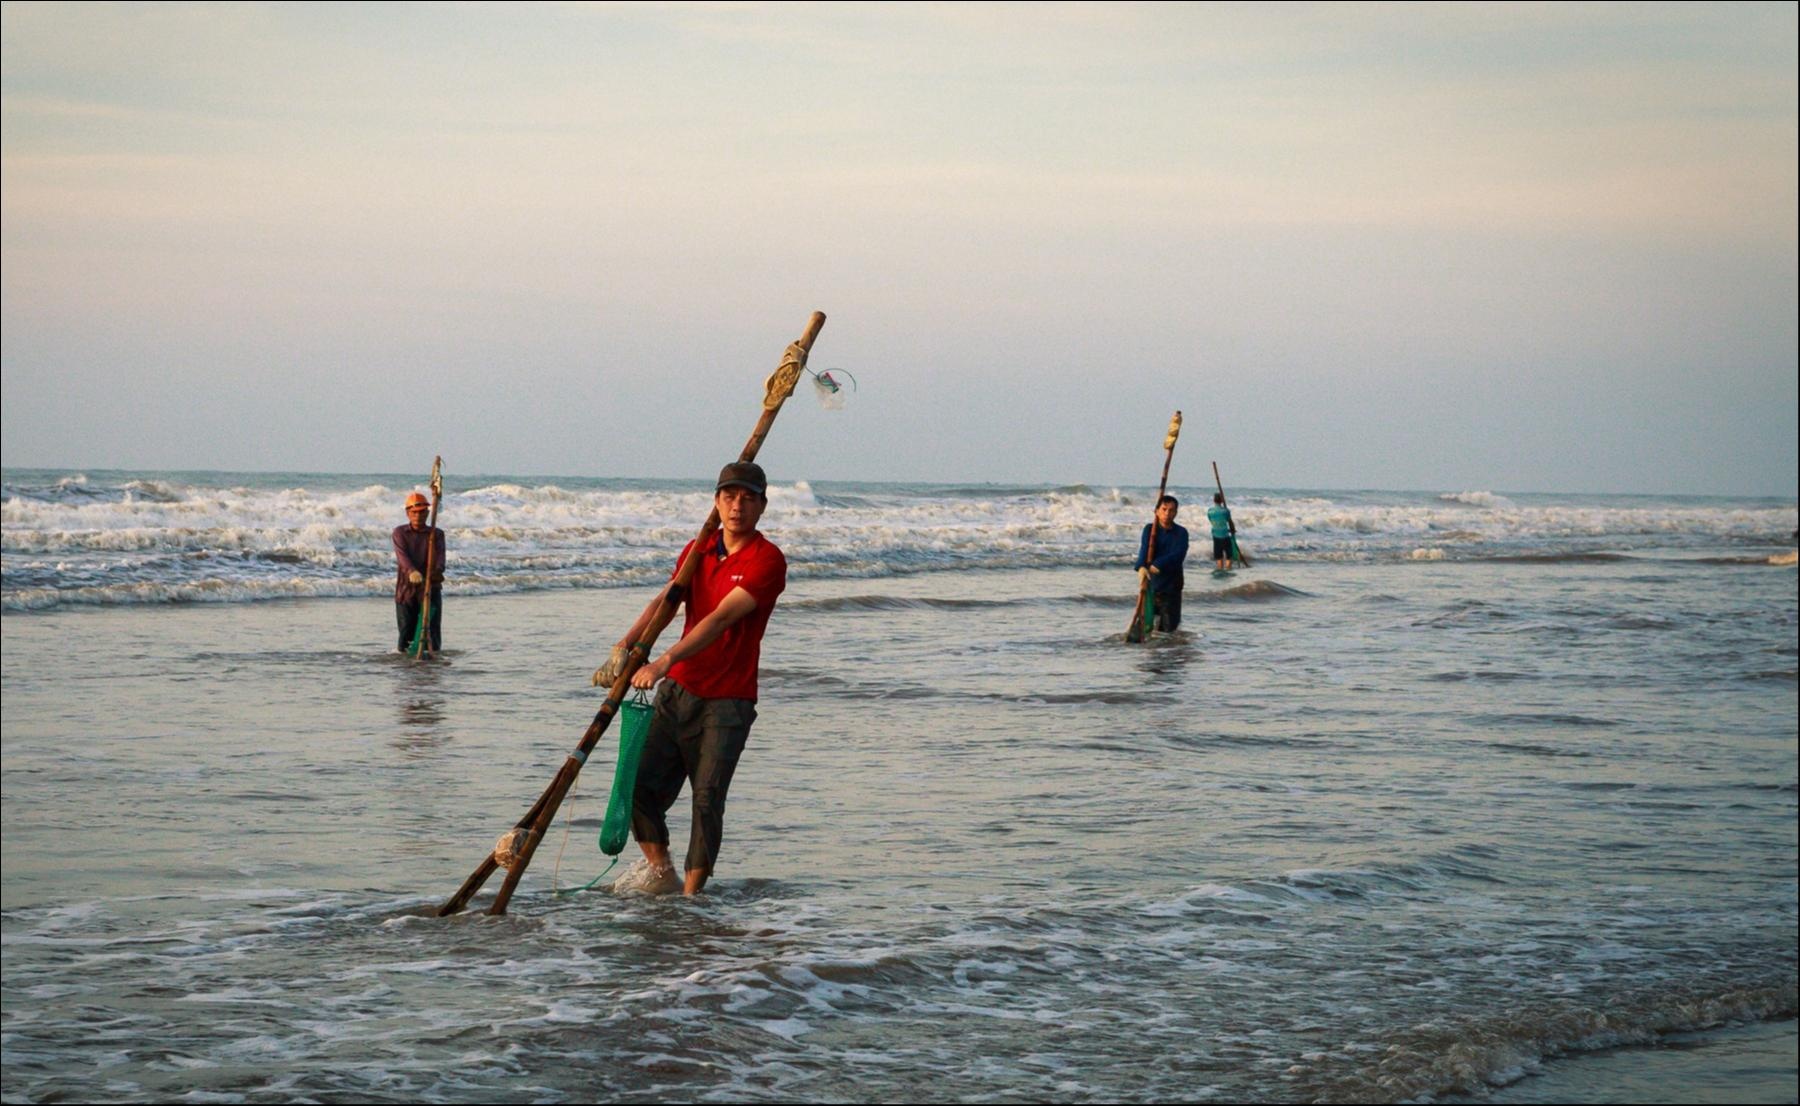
(157, 540)
(641, 879)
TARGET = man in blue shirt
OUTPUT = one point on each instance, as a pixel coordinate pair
(1164, 571)
(1223, 530)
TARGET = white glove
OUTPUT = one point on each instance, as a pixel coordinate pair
(1144, 577)
(606, 674)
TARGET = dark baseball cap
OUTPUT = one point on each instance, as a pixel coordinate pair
(743, 474)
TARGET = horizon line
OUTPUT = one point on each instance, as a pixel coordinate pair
(810, 481)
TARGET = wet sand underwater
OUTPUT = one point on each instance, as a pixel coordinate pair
(1359, 832)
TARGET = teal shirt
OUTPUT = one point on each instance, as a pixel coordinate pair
(1220, 517)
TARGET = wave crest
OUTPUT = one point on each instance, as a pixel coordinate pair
(1476, 499)
(159, 537)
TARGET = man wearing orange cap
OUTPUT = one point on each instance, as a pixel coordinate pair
(416, 544)
(707, 700)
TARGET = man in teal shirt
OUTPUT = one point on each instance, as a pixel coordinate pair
(1223, 531)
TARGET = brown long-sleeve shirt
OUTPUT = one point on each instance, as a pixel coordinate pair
(409, 550)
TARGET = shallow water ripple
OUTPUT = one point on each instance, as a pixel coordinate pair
(1378, 845)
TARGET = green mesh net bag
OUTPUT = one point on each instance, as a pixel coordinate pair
(634, 726)
(615, 828)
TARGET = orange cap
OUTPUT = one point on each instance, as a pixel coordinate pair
(416, 499)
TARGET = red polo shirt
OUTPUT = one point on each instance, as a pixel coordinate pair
(726, 669)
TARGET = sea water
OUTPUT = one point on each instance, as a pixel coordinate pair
(1453, 795)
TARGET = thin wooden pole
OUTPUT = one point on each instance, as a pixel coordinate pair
(1136, 631)
(422, 634)
(536, 822)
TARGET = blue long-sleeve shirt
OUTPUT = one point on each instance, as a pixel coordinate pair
(1171, 551)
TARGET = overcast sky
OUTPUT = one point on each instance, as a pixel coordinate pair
(1525, 248)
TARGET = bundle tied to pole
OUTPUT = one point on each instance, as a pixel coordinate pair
(510, 846)
(785, 378)
(776, 389)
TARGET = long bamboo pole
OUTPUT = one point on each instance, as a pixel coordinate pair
(422, 634)
(536, 822)
(1136, 632)
(1236, 553)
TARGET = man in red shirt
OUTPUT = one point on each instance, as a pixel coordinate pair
(707, 702)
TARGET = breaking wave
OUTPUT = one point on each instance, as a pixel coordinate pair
(1469, 1053)
(87, 538)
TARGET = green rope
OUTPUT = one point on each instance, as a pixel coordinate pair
(590, 883)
